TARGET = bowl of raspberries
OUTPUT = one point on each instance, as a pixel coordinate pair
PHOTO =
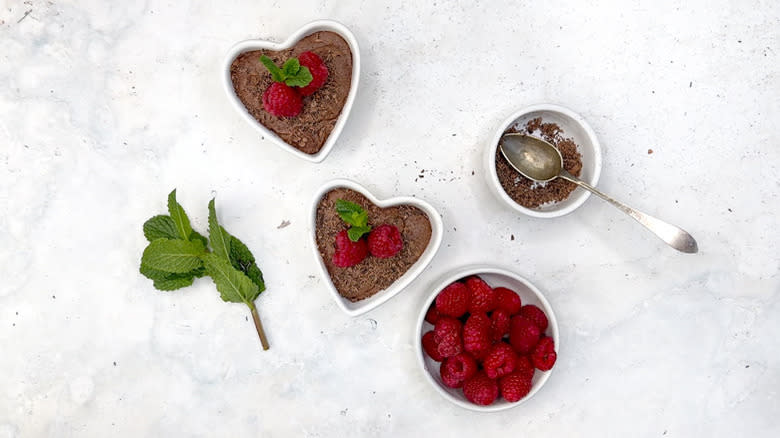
(487, 337)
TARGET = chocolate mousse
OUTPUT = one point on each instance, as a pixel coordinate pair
(372, 274)
(309, 130)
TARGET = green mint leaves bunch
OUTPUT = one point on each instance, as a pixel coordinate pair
(177, 254)
(355, 216)
(292, 72)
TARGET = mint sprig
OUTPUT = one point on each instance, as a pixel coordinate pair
(292, 72)
(177, 254)
(355, 216)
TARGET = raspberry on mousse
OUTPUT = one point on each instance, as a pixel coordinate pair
(282, 101)
(385, 241)
(318, 70)
(349, 253)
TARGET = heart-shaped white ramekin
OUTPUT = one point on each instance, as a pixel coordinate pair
(372, 302)
(308, 29)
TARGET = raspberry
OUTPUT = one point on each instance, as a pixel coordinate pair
(514, 387)
(483, 298)
(457, 369)
(319, 72)
(523, 334)
(431, 347)
(447, 332)
(499, 361)
(508, 300)
(480, 389)
(433, 314)
(453, 300)
(385, 241)
(499, 324)
(536, 315)
(544, 354)
(524, 367)
(282, 101)
(476, 335)
(349, 253)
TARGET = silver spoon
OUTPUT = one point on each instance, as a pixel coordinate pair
(540, 161)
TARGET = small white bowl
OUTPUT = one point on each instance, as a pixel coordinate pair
(308, 29)
(573, 126)
(372, 302)
(495, 277)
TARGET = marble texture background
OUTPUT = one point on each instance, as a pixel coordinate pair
(107, 106)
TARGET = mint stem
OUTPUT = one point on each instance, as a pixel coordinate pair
(258, 325)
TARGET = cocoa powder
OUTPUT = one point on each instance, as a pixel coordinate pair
(532, 194)
(373, 274)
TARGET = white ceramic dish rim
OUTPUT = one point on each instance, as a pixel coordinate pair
(307, 29)
(476, 270)
(381, 297)
(580, 194)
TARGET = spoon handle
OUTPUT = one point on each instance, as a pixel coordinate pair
(675, 237)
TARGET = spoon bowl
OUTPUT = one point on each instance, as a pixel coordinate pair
(533, 158)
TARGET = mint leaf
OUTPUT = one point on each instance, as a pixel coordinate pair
(156, 274)
(353, 215)
(276, 73)
(160, 226)
(292, 72)
(220, 239)
(151, 273)
(301, 78)
(291, 67)
(174, 282)
(243, 260)
(232, 284)
(179, 217)
(355, 233)
(198, 272)
(169, 281)
(194, 235)
(176, 256)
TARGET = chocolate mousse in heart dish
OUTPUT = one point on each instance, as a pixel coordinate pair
(368, 249)
(298, 93)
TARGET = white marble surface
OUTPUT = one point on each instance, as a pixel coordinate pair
(107, 106)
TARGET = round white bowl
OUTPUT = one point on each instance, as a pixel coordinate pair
(495, 277)
(307, 29)
(381, 297)
(573, 126)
